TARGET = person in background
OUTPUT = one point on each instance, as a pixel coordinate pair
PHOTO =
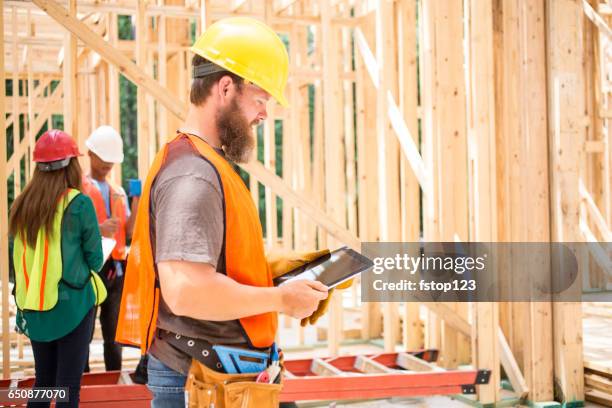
(116, 221)
(57, 248)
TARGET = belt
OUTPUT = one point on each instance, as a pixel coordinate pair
(198, 349)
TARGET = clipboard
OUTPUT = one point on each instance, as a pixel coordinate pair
(331, 270)
(108, 244)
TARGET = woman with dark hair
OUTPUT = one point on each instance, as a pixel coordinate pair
(57, 248)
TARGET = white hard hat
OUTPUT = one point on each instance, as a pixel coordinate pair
(106, 143)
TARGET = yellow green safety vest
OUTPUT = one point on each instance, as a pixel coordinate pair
(38, 270)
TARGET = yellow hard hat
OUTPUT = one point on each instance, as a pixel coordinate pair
(249, 49)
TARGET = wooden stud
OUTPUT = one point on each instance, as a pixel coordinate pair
(124, 64)
(367, 165)
(70, 78)
(141, 109)
(412, 332)
(114, 101)
(334, 175)
(17, 150)
(162, 67)
(566, 129)
(269, 140)
(482, 165)
(4, 260)
(31, 135)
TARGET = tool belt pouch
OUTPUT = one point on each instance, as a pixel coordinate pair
(206, 388)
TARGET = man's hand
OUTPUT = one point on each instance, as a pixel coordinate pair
(109, 227)
(300, 298)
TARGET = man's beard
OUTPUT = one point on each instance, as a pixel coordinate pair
(236, 133)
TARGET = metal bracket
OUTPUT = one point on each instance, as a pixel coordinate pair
(483, 377)
(468, 389)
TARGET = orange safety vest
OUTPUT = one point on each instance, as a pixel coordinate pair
(245, 260)
(118, 205)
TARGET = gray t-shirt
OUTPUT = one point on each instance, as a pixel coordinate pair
(186, 214)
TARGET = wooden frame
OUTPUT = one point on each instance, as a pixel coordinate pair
(465, 144)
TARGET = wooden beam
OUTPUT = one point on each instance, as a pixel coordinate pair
(566, 130)
(598, 20)
(70, 78)
(16, 111)
(322, 367)
(282, 5)
(335, 186)
(594, 212)
(269, 145)
(141, 110)
(106, 51)
(205, 16)
(237, 4)
(511, 367)
(305, 205)
(387, 174)
(30, 133)
(4, 255)
(52, 105)
(410, 362)
(482, 182)
(368, 365)
(141, 79)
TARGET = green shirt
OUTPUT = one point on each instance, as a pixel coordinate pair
(81, 252)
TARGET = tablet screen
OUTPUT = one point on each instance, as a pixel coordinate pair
(331, 270)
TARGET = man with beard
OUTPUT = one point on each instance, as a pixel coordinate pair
(198, 240)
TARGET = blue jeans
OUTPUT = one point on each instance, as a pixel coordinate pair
(167, 385)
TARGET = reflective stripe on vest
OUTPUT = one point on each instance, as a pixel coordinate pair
(244, 256)
(38, 270)
(117, 204)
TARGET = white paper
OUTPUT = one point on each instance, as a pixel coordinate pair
(108, 244)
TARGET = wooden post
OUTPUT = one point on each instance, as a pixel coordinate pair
(270, 163)
(367, 167)
(70, 79)
(388, 190)
(409, 187)
(482, 165)
(30, 132)
(205, 15)
(6, 350)
(113, 90)
(567, 130)
(444, 138)
(16, 111)
(522, 181)
(334, 156)
(142, 111)
(162, 72)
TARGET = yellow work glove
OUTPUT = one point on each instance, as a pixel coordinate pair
(281, 263)
(324, 304)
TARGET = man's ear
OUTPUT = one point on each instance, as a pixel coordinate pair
(224, 87)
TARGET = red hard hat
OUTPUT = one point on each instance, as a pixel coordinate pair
(55, 145)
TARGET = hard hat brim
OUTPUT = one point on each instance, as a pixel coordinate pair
(107, 159)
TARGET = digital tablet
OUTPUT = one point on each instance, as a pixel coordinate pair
(331, 270)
